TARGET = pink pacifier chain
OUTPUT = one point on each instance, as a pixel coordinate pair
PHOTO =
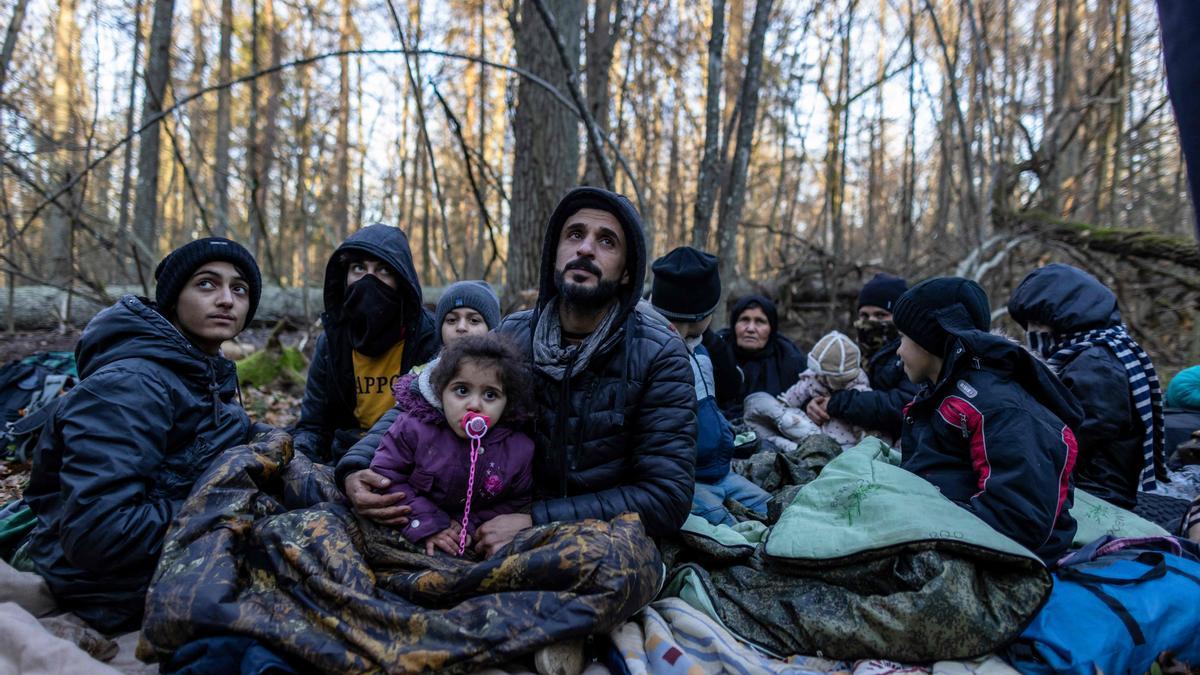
(476, 426)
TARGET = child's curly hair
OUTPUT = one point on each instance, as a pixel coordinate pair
(490, 350)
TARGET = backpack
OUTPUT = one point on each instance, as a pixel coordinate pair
(29, 390)
(1116, 613)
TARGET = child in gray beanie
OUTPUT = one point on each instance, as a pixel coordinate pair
(466, 308)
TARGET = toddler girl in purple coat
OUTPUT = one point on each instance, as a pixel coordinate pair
(448, 453)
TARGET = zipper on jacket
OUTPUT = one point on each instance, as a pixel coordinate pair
(965, 431)
(564, 394)
(212, 390)
(583, 414)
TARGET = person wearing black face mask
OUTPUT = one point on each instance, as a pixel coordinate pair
(375, 331)
(881, 408)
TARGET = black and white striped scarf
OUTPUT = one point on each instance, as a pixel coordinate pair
(1143, 385)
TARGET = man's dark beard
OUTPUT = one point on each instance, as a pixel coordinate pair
(584, 297)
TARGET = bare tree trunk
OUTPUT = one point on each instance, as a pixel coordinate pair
(57, 268)
(224, 103)
(360, 144)
(158, 69)
(476, 271)
(710, 170)
(835, 163)
(271, 131)
(10, 40)
(546, 135)
(730, 216)
(127, 174)
(601, 43)
(908, 189)
(198, 116)
(341, 151)
(877, 143)
(674, 219)
(254, 216)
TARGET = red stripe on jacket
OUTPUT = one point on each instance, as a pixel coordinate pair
(1064, 478)
(960, 414)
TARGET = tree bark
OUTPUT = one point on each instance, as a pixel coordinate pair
(158, 69)
(224, 103)
(254, 215)
(341, 151)
(271, 133)
(10, 40)
(546, 136)
(57, 257)
(735, 190)
(601, 44)
(710, 171)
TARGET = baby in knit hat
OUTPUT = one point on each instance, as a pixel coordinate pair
(834, 364)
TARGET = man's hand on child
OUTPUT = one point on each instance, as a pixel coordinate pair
(361, 489)
(446, 540)
(498, 532)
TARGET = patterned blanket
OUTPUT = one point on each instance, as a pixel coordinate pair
(254, 553)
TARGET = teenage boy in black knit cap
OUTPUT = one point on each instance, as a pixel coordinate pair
(155, 405)
(992, 426)
(686, 291)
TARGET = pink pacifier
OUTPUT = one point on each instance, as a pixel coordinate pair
(476, 426)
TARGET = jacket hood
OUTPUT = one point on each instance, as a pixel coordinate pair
(971, 346)
(635, 243)
(1066, 299)
(132, 328)
(415, 399)
(388, 244)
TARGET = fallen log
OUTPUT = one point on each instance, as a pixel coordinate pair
(1120, 241)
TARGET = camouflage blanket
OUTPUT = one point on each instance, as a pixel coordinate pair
(866, 561)
(250, 554)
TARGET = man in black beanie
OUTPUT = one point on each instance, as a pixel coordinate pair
(879, 409)
(991, 426)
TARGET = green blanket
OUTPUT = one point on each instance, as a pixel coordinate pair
(870, 561)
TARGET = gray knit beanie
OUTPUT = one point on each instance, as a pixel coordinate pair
(478, 295)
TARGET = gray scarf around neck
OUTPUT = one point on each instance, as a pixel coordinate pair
(559, 362)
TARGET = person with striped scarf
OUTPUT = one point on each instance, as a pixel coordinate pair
(1073, 322)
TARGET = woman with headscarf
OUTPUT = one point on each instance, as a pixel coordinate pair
(769, 361)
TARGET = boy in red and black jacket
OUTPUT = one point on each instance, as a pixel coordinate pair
(992, 426)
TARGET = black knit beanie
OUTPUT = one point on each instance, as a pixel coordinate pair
(179, 265)
(687, 286)
(916, 311)
(882, 291)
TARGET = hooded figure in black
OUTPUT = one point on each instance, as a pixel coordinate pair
(374, 333)
(773, 368)
(1087, 345)
(993, 428)
(617, 409)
